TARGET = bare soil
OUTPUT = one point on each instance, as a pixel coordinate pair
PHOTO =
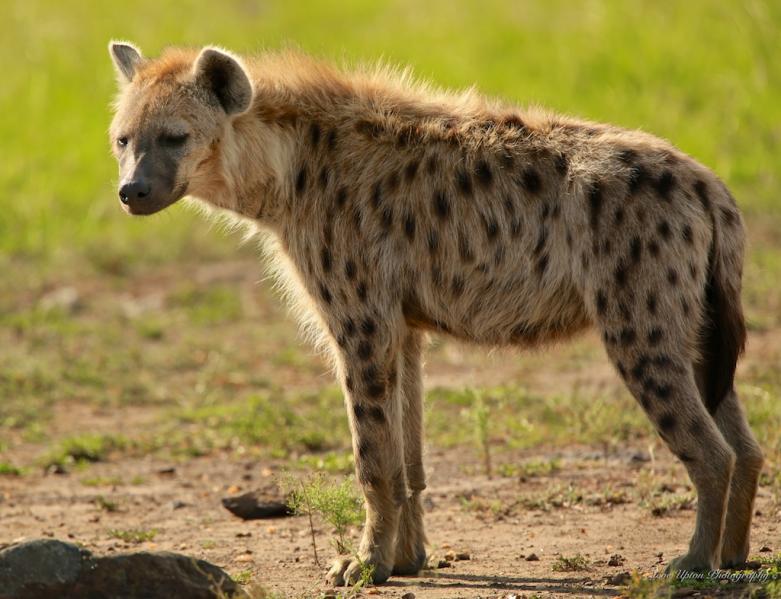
(592, 508)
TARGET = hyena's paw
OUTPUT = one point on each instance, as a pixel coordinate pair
(346, 571)
(408, 561)
(689, 563)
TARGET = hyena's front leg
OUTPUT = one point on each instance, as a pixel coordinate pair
(370, 367)
(411, 538)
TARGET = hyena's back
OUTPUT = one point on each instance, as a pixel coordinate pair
(499, 233)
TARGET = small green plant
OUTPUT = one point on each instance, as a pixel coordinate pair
(336, 503)
(243, 577)
(101, 481)
(481, 415)
(84, 448)
(641, 587)
(106, 504)
(7, 469)
(133, 535)
(576, 563)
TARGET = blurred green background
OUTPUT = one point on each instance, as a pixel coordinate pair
(703, 74)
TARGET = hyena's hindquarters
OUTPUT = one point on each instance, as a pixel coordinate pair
(650, 311)
(722, 342)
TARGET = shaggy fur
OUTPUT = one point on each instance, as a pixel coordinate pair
(395, 209)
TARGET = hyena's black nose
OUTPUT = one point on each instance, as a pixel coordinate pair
(134, 190)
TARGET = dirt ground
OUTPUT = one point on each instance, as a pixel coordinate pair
(589, 506)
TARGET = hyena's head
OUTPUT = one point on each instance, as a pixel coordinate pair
(170, 116)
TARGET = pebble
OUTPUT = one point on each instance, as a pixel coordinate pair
(443, 564)
(532, 557)
(616, 560)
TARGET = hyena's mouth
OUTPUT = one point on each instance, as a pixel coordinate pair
(152, 205)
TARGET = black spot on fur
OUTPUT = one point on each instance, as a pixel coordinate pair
(368, 327)
(350, 269)
(361, 291)
(637, 178)
(441, 205)
(314, 134)
(491, 229)
(348, 382)
(325, 259)
(432, 164)
(687, 234)
(364, 350)
(457, 286)
(542, 264)
(655, 335)
(368, 128)
(325, 294)
(322, 179)
(702, 194)
(635, 250)
(627, 336)
(556, 211)
(376, 195)
(541, 241)
(411, 170)
(515, 227)
(301, 181)
(409, 227)
(601, 301)
(562, 164)
(349, 327)
(341, 197)
(464, 182)
(393, 181)
(665, 184)
(667, 422)
(509, 206)
(484, 174)
(728, 216)
(465, 249)
(672, 277)
(663, 228)
(618, 216)
(433, 241)
(620, 274)
(531, 180)
(595, 203)
(653, 248)
(330, 139)
(499, 255)
(627, 156)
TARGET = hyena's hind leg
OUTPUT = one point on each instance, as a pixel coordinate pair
(650, 350)
(411, 537)
(732, 422)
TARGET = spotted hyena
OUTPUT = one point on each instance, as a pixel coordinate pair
(394, 209)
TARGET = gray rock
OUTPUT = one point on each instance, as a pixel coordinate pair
(257, 505)
(42, 563)
(49, 569)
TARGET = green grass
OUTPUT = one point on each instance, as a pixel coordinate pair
(699, 73)
(133, 535)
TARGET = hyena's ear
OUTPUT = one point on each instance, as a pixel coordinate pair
(223, 76)
(126, 58)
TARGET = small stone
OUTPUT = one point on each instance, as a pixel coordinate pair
(256, 505)
(443, 564)
(765, 549)
(408, 596)
(241, 535)
(532, 557)
(167, 470)
(463, 556)
(640, 457)
(178, 504)
(616, 560)
(619, 579)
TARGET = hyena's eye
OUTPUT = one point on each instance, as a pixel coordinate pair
(173, 141)
(122, 142)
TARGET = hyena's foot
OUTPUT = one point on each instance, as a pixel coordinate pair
(733, 556)
(346, 571)
(691, 563)
(410, 553)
